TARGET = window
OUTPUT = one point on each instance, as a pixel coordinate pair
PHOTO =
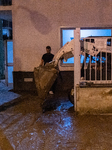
(87, 40)
(5, 2)
(92, 40)
(68, 35)
(108, 42)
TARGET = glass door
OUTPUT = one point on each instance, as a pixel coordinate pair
(9, 62)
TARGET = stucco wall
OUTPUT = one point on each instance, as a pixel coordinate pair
(96, 100)
(36, 24)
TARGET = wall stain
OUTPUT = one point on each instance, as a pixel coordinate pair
(39, 21)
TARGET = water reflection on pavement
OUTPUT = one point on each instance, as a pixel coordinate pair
(26, 127)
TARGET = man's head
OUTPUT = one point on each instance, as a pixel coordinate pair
(48, 49)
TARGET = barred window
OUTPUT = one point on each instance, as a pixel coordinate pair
(5, 2)
(108, 42)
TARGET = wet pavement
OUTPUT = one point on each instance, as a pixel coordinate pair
(5, 95)
(29, 125)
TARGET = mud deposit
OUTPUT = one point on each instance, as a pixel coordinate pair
(24, 126)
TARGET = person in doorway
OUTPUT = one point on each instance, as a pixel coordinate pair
(46, 58)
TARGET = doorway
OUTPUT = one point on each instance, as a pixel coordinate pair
(6, 47)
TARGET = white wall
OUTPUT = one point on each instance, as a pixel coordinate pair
(36, 24)
(94, 100)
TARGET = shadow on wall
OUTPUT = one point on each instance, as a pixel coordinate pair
(40, 22)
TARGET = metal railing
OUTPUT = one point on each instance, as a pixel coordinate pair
(97, 69)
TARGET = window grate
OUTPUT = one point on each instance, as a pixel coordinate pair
(5, 2)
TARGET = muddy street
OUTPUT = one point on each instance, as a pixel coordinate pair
(24, 126)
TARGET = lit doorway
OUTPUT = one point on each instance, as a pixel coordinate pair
(6, 47)
(8, 44)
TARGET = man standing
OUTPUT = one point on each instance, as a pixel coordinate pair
(46, 58)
